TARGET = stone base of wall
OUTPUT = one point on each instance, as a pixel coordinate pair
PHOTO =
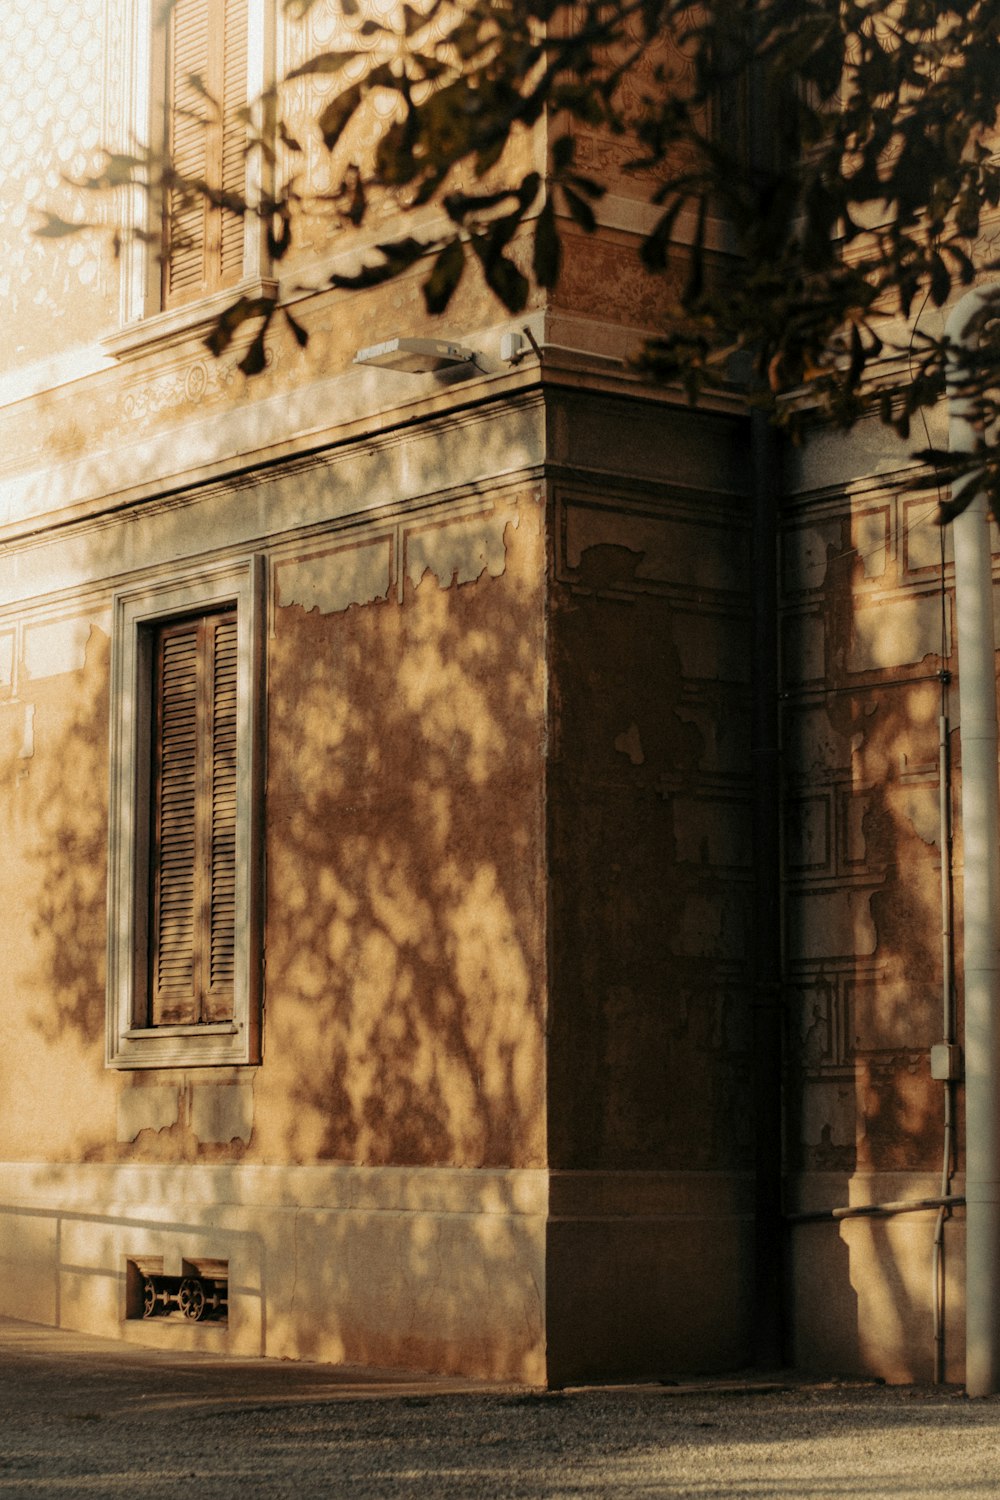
(860, 1290)
(524, 1276)
(649, 1274)
(417, 1268)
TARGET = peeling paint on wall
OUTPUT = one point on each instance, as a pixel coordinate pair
(922, 536)
(332, 581)
(855, 844)
(895, 633)
(57, 646)
(870, 536)
(459, 551)
(919, 806)
(804, 648)
(710, 648)
(807, 833)
(829, 1115)
(221, 1113)
(667, 550)
(716, 834)
(145, 1108)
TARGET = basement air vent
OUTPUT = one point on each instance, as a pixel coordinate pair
(200, 1294)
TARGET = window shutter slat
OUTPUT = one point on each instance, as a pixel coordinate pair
(172, 980)
(187, 141)
(206, 141)
(234, 136)
(193, 869)
(222, 936)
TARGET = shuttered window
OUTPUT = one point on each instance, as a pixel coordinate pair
(206, 141)
(193, 835)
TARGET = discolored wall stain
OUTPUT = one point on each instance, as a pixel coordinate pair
(649, 836)
(862, 856)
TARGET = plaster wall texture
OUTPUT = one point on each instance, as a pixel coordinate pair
(427, 658)
(54, 115)
(508, 856)
(867, 629)
(426, 1269)
(405, 941)
(405, 944)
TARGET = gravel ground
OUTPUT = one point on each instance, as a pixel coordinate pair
(86, 1417)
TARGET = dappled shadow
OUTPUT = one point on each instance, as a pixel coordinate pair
(649, 816)
(863, 650)
(54, 806)
(405, 959)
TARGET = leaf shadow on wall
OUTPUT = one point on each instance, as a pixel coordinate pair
(405, 955)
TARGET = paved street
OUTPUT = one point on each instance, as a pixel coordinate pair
(87, 1417)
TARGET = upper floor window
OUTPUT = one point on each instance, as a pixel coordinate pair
(206, 139)
(196, 69)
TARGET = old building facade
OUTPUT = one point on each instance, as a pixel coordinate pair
(381, 756)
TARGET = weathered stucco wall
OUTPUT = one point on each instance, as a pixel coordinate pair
(53, 871)
(502, 1121)
(405, 919)
(649, 798)
(867, 629)
(406, 950)
(396, 1123)
(54, 114)
(650, 1128)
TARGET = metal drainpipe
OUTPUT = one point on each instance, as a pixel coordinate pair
(981, 835)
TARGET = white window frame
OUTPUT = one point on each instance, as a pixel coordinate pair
(143, 82)
(131, 1042)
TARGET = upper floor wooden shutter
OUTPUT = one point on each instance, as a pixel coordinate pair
(206, 141)
(193, 844)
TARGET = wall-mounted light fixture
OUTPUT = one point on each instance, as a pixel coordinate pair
(416, 356)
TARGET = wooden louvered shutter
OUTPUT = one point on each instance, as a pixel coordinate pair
(217, 1002)
(206, 141)
(234, 137)
(193, 844)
